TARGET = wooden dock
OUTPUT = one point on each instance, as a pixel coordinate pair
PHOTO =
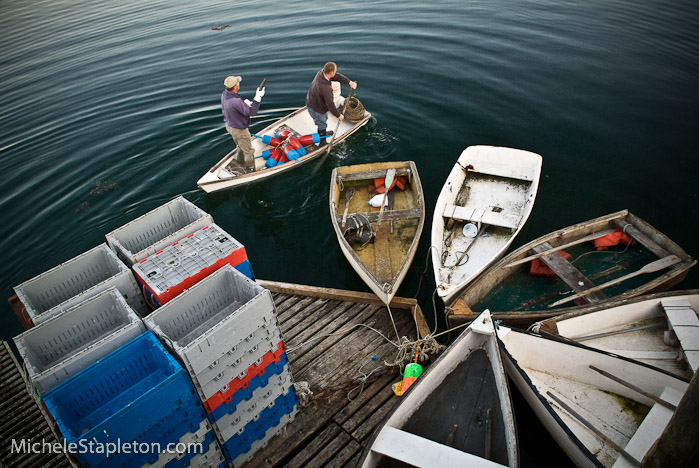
(21, 419)
(331, 347)
(331, 336)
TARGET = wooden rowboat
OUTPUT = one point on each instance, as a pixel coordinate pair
(661, 329)
(457, 413)
(382, 263)
(652, 263)
(603, 410)
(483, 205)
(229, 173)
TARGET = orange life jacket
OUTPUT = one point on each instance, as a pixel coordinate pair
(615, 238)
(539, 268)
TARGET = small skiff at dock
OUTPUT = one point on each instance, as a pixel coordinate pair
(229, 173)
(660, 329)
(379, 242)
(457, 413)
(603, 410)
(617, 256)
(481, 208)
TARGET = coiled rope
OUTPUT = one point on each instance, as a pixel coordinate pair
(354, 109)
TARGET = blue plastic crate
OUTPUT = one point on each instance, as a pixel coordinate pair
(246, 393)
(256, 430)
(122, 395)
(170, 429)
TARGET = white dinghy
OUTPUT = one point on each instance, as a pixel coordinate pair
(659, 329)
(229, 173)
(458, 412)
(602, 409)
(483, 205)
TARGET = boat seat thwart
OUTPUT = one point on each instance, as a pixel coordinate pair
(649, 431)
(479, 215)
(683, 321)
(418, 451)
(568, 273)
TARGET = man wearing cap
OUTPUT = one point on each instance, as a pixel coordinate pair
(319, 99)
(236, 115)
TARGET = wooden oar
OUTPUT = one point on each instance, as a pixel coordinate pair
(589, 237)
(657, 265)
(348, 196)
(332, 142)
(390, 174)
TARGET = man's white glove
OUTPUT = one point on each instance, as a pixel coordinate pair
(248, 102)
(258, 94)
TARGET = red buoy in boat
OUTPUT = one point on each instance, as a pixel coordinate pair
(312, 138)
(283, 135)
(296, 144)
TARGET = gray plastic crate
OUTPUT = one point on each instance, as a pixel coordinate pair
(59, 348)
(247, 410)
(213, 457)
(196, 437)
(186, 257)
(157, 229)
(250, 351)
(262, 443)
(76, 280)
(207, 321)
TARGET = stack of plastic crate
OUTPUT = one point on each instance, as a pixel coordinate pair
(157, 229)
(134, 408)
(76, 280)
(225, 332)
(179, 266)
(59, 348)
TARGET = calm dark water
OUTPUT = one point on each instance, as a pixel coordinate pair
(109, 109)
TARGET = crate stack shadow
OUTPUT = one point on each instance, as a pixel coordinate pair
(212, 373)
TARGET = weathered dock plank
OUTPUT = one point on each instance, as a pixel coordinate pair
(331, 338)
(21, 419)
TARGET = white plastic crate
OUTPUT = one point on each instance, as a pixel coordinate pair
(59, 348)
(157, 229)
(180, 265)
(262, 443)
(220, 373)
(184, 443)
(249, 409)
(212, 458)
(214, 316)
(76, 280)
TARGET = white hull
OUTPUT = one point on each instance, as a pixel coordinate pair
(393, 440)
(496, 194)
(568, 395)
(218, 178)
(634, 328)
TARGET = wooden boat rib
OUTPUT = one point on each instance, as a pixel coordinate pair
(660, 329)
(383, 263)
(457, 413)
(490, 190)
(519, 299)
(603, 410)
(229, 173)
